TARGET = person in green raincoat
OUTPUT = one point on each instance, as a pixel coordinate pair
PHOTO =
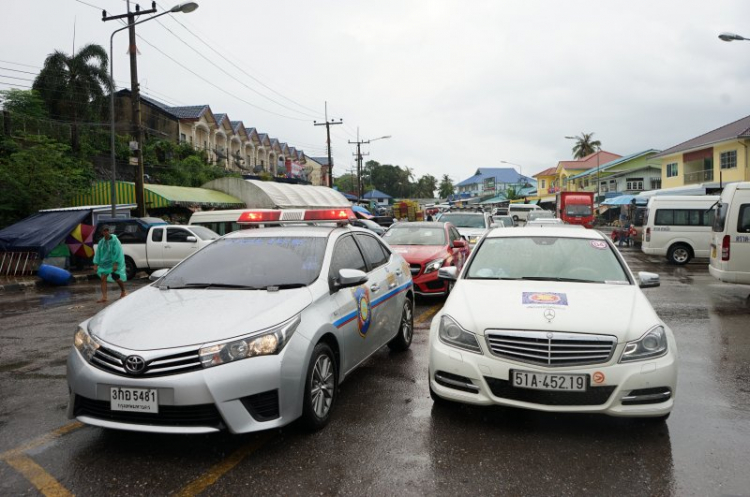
(109, 263)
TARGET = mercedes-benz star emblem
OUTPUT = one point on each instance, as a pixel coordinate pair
(549, 314)
(135, 364)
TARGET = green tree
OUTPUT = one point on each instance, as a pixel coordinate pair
(26, 103)
(347, 183)
(425, 187)
(511, 193)
(446, 187)
(38, 173)
(585, 145)
(74, 87)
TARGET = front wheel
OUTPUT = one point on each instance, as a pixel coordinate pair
(679, 254)
(321, 387)
(402, 340)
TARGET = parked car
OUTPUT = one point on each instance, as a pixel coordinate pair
(506, 221)
(500, 211)
(519, 212)
(426, 247)
(471, 225)
(250, 333)
(678, 227)
(160, 246)
(540, 214)
(576, 333)
(730, 246)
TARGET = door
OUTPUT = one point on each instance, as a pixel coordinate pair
(155, 248)
(177, 246)
(351, 306)
(383, 285)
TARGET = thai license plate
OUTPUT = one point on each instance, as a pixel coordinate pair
(549, 381)
(134, 399)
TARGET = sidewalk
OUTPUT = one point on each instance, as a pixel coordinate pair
(26, 282)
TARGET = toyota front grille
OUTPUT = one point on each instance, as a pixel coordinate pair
(115, 362)
(549, 348)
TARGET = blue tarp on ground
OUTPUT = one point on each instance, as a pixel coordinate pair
(41, 232)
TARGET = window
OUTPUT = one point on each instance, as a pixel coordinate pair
(684, 217)
(603, 187)
(743, 220)
(656, 183)
(374, 251)
(346, 255)
(157, 235)
(728, 159)
(543, 183)
(634, 184)
(183, 138)
(672, 170)
(177, 235)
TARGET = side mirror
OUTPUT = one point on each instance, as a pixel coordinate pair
(191, 239)
(350, 277)
(158, 274)
(448, 273)
(459, 244)
(648, 280)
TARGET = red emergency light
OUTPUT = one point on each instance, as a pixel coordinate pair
(329, 215)
(259, 216)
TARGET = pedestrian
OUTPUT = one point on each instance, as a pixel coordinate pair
(109, 263)
(429, 217)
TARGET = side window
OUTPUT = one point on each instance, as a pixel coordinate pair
(346, 255)
(177, 235)
(373, 250)
(453, 235)
(157, 235)
(664, 217)
(743, 220)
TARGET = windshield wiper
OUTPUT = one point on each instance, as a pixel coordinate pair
(213, 285)
(554, 278)
(286, 286)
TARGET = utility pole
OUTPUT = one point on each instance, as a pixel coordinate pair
(328, 125)
(358, 155)
(135, 100)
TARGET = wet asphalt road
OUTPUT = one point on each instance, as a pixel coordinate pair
(386, 436)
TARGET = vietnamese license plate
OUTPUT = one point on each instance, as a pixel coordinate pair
(134, 399)
(550, 381)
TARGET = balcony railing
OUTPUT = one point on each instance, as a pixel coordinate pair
(699, 176)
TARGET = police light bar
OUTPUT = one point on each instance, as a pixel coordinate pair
(261, 216)
(329, 215)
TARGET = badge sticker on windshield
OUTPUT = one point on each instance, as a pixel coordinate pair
(539, 298)
(364, 312)
(598, 244)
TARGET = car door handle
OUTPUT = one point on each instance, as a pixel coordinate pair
(374, 287)
(391, 286)
(398, 272)
(167, 246)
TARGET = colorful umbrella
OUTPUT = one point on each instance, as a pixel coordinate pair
(81, 240)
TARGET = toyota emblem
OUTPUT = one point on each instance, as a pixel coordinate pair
(549, 314)
(135, 364)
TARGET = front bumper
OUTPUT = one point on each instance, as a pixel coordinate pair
(243, 396)
(430, 284)
(632, 389)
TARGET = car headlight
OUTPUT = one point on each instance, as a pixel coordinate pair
(433, 265)
(451, 333)
(652, 344)
(266, 342)
(85, 344)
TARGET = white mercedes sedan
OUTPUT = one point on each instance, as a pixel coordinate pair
(552, 319)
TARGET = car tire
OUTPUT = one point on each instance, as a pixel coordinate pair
(679, 254)
(321, 388)
(402, 340)
(515, 219)
(130, 268)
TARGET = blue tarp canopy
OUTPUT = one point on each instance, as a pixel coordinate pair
(625, 200)
(376, 194)
(41, 232)
(359, 208)
(349, 196)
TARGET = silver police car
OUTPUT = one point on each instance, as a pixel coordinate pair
(251, 332)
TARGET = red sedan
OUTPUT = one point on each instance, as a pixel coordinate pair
(428, 246)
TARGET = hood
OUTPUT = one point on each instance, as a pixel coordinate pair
(157, 319)
(619, 310)
(418, 254)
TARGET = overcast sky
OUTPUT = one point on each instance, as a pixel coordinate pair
(458, 84)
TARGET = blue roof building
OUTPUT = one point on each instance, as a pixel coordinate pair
(493, 180)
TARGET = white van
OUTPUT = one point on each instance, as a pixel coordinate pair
(678, 226)
(520, 211)
(730, 246)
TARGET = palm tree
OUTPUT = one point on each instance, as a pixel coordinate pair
(74, 87)
(446, 187)
(585, 145)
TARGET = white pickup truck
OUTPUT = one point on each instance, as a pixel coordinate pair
(151, 247)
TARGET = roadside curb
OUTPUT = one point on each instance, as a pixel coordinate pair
(39, 283)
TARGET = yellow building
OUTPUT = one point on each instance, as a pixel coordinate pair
(718, 156)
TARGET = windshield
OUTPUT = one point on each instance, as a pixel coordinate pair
(464, 220)
(547, 258)
(540, 215)
(504, 220)
(204, 233)
(252, 263)
(415, 235)
(578, 210)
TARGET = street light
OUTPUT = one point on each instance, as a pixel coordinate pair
(185, 7)
(731, 37)
(520, 168)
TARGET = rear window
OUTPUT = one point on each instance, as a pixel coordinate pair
(720, 217)
(465, 220)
